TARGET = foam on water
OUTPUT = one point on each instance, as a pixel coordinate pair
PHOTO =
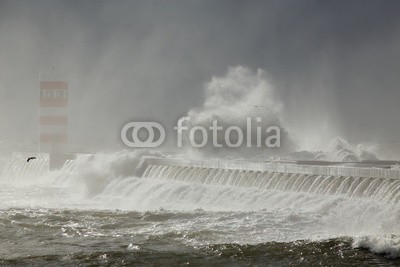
(280, 206)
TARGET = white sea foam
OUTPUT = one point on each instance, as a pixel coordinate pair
(281, 208)
(382, 244)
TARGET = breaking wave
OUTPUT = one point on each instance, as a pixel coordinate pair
(302, 207)
(339, 150)
(232, 99)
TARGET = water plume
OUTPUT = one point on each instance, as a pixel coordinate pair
(234, 98)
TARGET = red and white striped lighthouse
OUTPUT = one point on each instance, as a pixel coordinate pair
(53, 118)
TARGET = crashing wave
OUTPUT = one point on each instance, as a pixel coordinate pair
(339, 150)
(388, 245)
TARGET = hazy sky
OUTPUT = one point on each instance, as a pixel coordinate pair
(334, 64)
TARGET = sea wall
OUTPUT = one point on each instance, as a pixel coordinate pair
(273, 167)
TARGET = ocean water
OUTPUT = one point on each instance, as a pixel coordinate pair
(95, 212)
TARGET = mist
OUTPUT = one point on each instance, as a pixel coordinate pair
(333, 66)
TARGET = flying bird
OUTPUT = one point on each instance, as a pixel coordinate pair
(30, 158)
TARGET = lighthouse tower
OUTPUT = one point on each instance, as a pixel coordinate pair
(53, 118)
